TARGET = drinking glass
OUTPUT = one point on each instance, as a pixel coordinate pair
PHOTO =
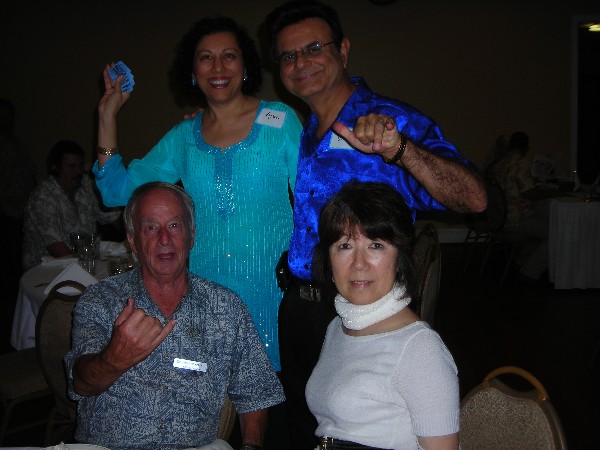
(86, 252)
(117, 265)
(74, 239)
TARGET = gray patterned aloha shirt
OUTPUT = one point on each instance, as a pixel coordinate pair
(155, 405)
(50, 216)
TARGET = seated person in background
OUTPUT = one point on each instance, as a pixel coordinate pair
(384, 379)
(157, 349)
(513, 174)
(63, 203)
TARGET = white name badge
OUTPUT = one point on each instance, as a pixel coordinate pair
(189, 365)
(339, 142)
(271, 118)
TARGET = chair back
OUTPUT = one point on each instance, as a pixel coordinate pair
(227, 420)
(494, 217)
(495, 416)
(428, 262)
(53, 338)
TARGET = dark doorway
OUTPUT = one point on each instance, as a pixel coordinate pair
(588, 101)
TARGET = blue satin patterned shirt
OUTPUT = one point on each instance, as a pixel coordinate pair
(325, 165)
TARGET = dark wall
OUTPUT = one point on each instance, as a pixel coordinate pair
(479, 68)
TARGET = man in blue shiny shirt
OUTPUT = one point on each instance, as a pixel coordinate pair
(352, 134)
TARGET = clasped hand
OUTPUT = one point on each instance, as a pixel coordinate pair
(113, 98)
(373, 133)
(135, 336)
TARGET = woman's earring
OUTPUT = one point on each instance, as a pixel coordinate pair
(245, 75)
(194, 81)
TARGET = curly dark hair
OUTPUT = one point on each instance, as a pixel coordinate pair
(183, 65)
(375, 210)
(295, 11)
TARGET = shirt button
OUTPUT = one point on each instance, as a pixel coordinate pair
(308, 229)
(165, 388)
(166, 357)
(311, 192)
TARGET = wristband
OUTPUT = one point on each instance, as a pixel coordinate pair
(401, 149)
(107, 151)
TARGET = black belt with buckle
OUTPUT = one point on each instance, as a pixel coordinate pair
(306, 288)
(329, 443)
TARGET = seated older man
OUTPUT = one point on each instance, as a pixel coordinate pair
(156, 350)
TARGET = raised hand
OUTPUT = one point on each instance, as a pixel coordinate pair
(135, 336)
(113, 98)
(373, 133)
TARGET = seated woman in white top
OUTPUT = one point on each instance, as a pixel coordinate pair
(385, 379)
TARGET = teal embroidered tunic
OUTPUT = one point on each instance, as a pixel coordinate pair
(243, 211)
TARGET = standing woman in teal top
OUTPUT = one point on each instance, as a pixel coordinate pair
(235, 158)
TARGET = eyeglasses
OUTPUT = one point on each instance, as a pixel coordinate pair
(310, 51)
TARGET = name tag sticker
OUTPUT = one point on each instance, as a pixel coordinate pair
(339, 142)
(189, 365)
(271, 118)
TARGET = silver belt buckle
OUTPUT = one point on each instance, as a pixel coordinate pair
(310, 293)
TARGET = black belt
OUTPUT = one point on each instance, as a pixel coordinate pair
(306, 288)
(329, 443)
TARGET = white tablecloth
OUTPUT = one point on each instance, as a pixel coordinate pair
(21, 448)
(574, 243)
(32, 285)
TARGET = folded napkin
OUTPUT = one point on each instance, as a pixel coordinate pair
(109, 248)
(72, 272)
(63, 261)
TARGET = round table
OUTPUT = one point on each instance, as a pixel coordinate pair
(574, 243)
(32, 292)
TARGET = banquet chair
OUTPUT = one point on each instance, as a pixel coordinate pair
(53, 341)
(495, 416)
(500, 237)
(227, 420)
(481, 226)
(428, 262)
(21, 381)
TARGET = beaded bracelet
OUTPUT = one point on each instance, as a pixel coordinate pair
(401, 149)
(107, 151)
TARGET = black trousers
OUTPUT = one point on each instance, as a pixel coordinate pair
(302, 327)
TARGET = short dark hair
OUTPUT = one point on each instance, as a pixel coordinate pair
(297, 10)
(377, 211)
(57, 153)
(183, 64)
(141, 191)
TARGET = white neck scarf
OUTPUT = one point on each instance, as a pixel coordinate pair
(357, 317)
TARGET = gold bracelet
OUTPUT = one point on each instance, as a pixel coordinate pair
(107, 151)
(401, 149)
